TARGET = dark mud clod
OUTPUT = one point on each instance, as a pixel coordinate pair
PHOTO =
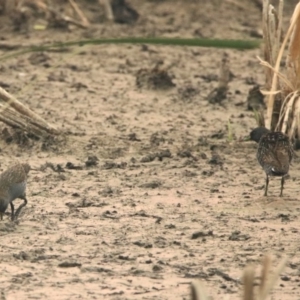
(238, 236)
(154, 79)
(123, 12)
(160, 155)
(113, 165)
(151, 185)
(39, 58)
(198, 234)
(69, 264)
(56, 168)
(215, 160)
(186, 154)
(71, 166)
(188, 93)
(133, 137)
(143, 245)
(92, 161)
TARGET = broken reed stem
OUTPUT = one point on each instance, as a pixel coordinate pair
(276, 69)
(266, 266)
(267, 282)
(286, 110)
(248, 279)
(272, 34)
(268, 43)
(272, 279)
(15, 120)
(293, 57)
(295, 123)
(198, 291)
(79, 12)
(283, 110)
(23, 110)
(108, 10)
(280, 75)
(280, 19)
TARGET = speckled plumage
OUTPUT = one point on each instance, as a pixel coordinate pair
(12, 186)
(274, 153)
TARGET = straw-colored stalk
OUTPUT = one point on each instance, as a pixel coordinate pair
(198, 291)
(267, 282)
(284, 85)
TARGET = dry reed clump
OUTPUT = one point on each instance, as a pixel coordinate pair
(62, 14)
(55, 13)
(282, 86)
(251, 290)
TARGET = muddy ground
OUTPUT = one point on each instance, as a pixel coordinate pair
(148, 189)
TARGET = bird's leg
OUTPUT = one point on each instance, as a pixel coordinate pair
(282, 184)
(20, 207)
(12, 211)
(1, 216)
(267, 184)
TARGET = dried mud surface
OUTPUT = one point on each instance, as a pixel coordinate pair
(144, 193)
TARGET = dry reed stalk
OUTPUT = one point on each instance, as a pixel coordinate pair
(267, 282)
(266, 266)
(295, 123)
(50, 11)
(248, 279)
(108, 10)
(79, 12)
(18, 121)
(198, 291)
(272, 36)
(287, 112)
(22, 110)
(293, 57)
(291, 113)
(289, 82)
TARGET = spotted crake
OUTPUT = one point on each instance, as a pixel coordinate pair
(274, 154)
(12, 186)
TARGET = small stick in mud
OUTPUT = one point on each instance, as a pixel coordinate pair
(220, 92)
(12, 186)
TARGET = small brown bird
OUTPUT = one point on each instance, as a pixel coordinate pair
(274, 153)
(12, 186)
